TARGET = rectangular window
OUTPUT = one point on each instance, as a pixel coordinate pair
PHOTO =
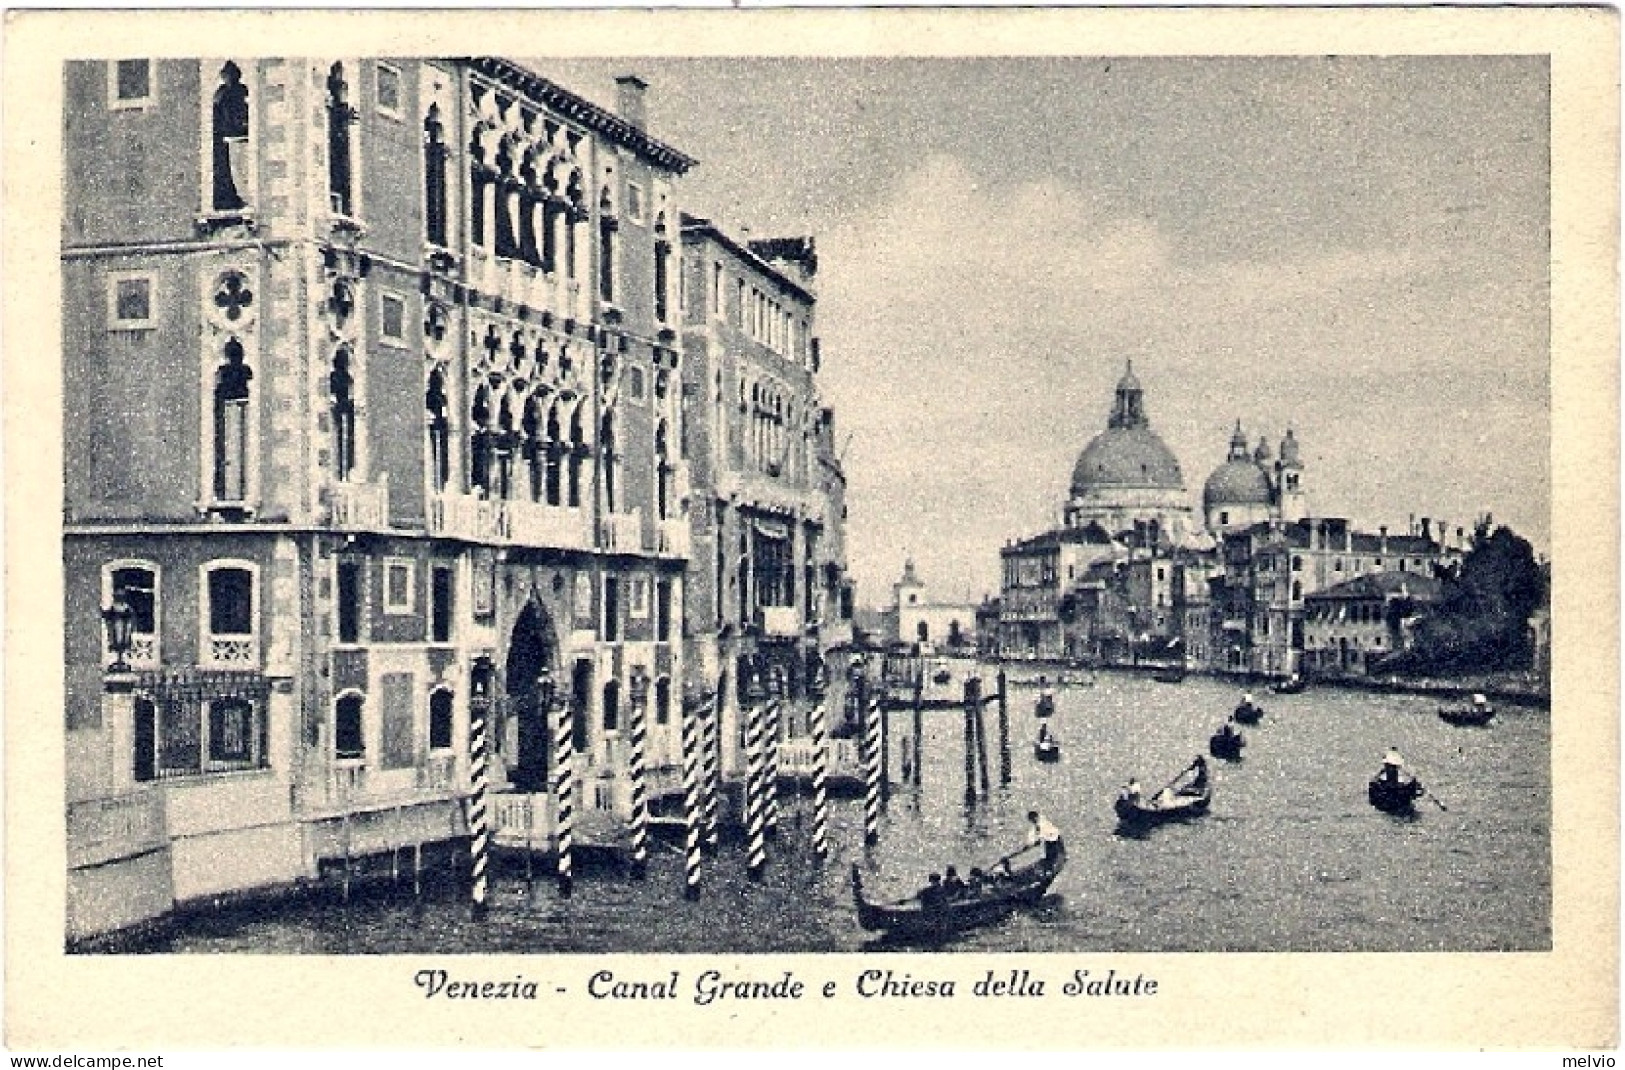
(131, 83)
(638, 591)
(347, 601)
(612, 609)
(634, 383)
(716, 289)
(230, 641)
(129, 301)
(441, 716)
(663, 611)
(443, 597)
(634, 203)
(389, 91)
(398, 577)
(392, 318)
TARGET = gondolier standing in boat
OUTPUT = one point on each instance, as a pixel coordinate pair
(1042, 832)
(1392, 763)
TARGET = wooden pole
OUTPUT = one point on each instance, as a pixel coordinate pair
(1004, 729)
(919, 723)
(973, 699)
(981, 739)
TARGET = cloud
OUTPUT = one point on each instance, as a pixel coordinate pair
(974, 333)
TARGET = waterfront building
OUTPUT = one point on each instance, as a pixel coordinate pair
(1352, 625)
(916, 617)
(769, 589)
(373, 410)
(1127, 577)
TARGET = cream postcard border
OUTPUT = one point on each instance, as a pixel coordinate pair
(1566, 998)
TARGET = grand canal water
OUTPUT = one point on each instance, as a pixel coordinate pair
(1291, 857)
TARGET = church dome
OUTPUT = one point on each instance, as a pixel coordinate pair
(1126, 457)
(1236, 483)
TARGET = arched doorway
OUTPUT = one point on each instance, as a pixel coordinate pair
(532, 650)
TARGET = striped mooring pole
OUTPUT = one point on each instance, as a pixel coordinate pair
(820, 783)
(773, 721)
(755, 803)
(871, 808)
(709, 734)
(564, 752)
(981, 738)
(479, 773)
(640, 740)
(693, 802)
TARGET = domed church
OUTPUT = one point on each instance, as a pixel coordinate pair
(1251, 487)
(1127, 480)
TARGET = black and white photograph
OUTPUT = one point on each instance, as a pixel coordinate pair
(1050, 508)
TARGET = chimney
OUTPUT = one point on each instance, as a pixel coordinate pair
(1427, 529)
(629, 90)
(1382, 542)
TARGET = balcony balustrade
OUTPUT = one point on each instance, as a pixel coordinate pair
(465, 516)
(622, 532)
(535, 524)
(358, 506)
(674, 535)
(781, 621)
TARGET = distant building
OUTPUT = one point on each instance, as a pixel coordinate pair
(1127, 576)
(1349, 626)
(917, 618)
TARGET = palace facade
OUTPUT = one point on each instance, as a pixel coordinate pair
(377, 416)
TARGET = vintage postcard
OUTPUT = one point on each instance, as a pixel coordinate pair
(893, 528)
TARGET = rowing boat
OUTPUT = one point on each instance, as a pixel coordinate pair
(982, 903)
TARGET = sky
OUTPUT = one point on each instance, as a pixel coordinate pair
(1356, 248)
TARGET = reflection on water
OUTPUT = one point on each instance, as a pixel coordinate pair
(1290, 858)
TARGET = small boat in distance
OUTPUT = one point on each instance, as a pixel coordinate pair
(1248, 711)
(1394, 796)
(985, 900)
(1046, 748)
(1045, 706)
(1477, 713)
(1292, 685)
(1185, 797)
(1226, 743)
(1173, 675)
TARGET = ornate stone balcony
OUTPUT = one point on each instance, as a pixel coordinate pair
(622, 532)
(535, 524)
(780, 621)
(359, 506)
(464, 516)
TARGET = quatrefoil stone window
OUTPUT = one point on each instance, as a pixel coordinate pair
(233, 297)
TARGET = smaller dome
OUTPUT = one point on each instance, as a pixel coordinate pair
(1236, 483)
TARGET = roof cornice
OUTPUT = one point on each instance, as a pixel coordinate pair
(524, 80)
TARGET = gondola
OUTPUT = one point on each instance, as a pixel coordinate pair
(1292, 685)
(1170, 804)
(983, 903)
(1045, 706)
(941, 676)
(1248, 713)
(1047, 749)
(1226, 743)
(1394, 796)
(1476, 714)
(1169, 676)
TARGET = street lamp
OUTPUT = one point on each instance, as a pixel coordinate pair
(640, 686)
(545, 688)
(120, 620)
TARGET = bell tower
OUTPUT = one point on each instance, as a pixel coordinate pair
(1290, 497)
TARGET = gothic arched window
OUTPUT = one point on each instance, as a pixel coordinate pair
(231, 385)
(554, 452)
(229, 137)
(439, 430)
(662, 473)
(435, 154)
(606, 449)
(339, 163)
(480, 441)
(341, 388)
(535, 449)
(578, 454)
